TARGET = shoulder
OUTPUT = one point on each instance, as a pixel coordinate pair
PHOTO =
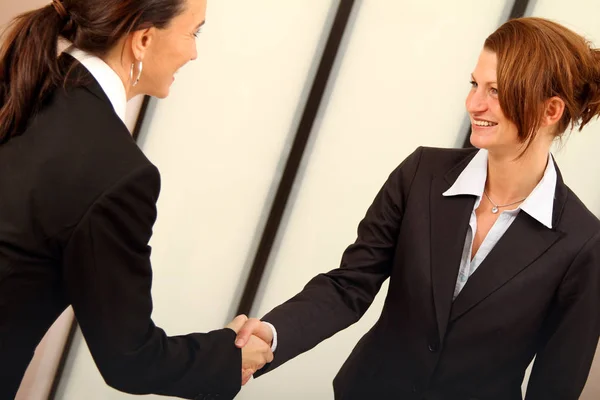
(78, 150)
(576, 218)
(425, 163)
(435, 161)
(441, 160)
(580, 230)
(82, 136)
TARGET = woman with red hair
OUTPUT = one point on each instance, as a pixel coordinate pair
(492, 259)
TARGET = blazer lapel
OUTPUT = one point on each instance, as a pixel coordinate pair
(449, 223)
(524, 241)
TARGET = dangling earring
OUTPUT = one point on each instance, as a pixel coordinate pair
(139, 75)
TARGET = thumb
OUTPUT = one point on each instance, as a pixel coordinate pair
(246, 332)
(237, 323)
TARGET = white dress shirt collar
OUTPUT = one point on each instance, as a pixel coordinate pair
(108, 79)
(540, 202)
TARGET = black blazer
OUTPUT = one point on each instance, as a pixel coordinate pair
(537, 292)
(77, 205)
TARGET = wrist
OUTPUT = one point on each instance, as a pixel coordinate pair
(273, 343)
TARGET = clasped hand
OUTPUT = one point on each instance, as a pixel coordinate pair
(254, 338)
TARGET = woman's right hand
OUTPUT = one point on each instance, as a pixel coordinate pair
(256, 353)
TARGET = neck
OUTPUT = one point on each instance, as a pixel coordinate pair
(512, 179)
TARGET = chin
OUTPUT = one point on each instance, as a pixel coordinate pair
(159, 94)
(496, 147)
(156, 89)
(480, 141)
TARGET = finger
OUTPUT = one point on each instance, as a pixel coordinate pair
(237, 323)
(264, 332)
(244, 334)
(246, 375)
(270, 356)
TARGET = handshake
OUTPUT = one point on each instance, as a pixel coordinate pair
(255, 338)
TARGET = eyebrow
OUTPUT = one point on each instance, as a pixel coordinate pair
(489, 83)
(200, 24)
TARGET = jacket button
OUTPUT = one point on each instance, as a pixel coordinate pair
(433, 347)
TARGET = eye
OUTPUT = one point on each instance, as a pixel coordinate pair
(473, 84)
(198, 32)
(494, 91)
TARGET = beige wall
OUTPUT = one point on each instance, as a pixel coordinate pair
(10, 8)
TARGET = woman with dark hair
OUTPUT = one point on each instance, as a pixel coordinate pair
(77, 200)
(492, 259)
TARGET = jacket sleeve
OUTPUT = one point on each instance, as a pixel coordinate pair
(107, 276)
(571, 331)
(335, 300)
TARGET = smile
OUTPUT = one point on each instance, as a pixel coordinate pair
(484, 123)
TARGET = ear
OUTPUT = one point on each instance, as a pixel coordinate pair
(141, 41)
(553, 111)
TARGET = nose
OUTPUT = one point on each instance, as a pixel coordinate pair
(476, 101)
(194, 54)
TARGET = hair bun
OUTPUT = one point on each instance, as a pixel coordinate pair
(591, 100)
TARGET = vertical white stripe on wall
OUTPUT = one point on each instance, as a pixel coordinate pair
(401, 82)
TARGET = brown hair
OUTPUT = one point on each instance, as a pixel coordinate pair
(539, 59)
(29, 66)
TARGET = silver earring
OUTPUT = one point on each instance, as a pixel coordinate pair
(139, 75)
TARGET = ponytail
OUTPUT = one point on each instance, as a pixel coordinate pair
(29, 65)
(29, 68)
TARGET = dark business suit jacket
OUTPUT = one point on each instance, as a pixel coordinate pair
(537, 292)
(77, 205)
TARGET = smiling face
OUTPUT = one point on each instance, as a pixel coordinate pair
(490, 129)
(167, 50)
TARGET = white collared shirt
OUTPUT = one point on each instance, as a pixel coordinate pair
(471, 181)
(108, 79)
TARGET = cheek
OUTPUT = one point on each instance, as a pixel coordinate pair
(179, 54)
(161, 68)
(499, 114)
(156, 64)
(514, 133)
(509, 131)
(169, 63)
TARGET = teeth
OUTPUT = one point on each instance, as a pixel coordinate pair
(483, 123)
